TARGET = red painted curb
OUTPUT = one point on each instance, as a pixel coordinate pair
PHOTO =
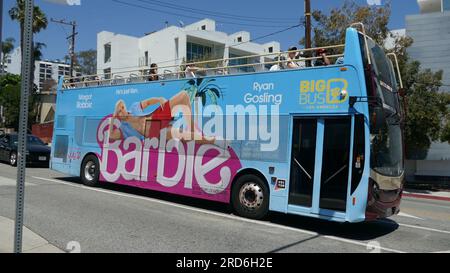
(426, 196)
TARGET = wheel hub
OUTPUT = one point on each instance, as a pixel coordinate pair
(89, 171)
(251, 196)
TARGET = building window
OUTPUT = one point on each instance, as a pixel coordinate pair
(107, 53)
(204, 27)
(197, 52)
(146, 58)
(271, 49)
(241, 61)
(107, 73)
(239, 39)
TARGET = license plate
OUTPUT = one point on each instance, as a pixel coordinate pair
(42, 158)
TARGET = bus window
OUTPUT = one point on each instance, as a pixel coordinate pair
(61, 147)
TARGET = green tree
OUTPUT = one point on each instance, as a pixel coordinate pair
(423, 124)
(86, 62)
(10, 100)
(329, 29)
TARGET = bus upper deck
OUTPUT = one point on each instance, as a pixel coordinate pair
(217, 67)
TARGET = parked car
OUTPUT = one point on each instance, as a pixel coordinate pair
(38, 153)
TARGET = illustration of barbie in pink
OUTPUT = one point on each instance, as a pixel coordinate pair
(135, 122)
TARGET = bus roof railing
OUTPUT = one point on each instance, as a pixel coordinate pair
(363, 32)
(219, 66)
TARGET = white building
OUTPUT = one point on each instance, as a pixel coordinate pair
(46, 73)
(13, 62)
(118, 53)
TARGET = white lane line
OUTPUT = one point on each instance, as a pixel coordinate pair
(233, 217)
(402, 214)
(424, 228)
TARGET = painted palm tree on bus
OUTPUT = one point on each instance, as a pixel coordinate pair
(203, 90)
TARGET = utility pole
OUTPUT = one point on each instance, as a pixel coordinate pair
(308, 29)
(23, 122)
(71, 39)
(1, 37)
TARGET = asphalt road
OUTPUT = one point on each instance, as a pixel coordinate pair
(121, 219)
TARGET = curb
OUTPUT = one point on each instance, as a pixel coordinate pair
(426, 196)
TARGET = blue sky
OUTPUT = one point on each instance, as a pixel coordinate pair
(94, 16)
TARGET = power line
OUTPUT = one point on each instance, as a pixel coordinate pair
(193, 17)
(218, 14)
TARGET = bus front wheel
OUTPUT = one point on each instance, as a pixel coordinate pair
(90, 171)
(250, 197)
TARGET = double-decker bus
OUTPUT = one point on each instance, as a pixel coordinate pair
(319, 141)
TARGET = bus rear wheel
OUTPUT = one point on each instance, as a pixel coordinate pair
(90, 171)
(250, 197)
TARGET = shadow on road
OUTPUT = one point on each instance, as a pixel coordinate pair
(356, 231)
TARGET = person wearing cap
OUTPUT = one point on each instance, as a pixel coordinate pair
(292, 56)
(324, 60)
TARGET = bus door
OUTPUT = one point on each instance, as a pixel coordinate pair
(320, 163)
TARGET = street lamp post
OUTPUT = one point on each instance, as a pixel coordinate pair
(23, 122)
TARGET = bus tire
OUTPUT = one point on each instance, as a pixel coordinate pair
(250, 197)
(90, 171)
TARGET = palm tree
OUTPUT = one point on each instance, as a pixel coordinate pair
(203, 89)
(40, 22)
(17, 13)
(200, 89)
(7, 48)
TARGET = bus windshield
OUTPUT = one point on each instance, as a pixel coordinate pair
(387, 143)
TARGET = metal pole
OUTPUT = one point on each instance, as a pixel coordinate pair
(308, 23)
(22, 149)
(72, 49)
(71, 42)
(308, 28)
(1, 37)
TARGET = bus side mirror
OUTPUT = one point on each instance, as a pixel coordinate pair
(402, 92)
(377, 119)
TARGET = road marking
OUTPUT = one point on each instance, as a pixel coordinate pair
(402, 214)
(11, 182)
(427, 196)
(424, 228)
(233, 217)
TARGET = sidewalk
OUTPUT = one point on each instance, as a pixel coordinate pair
(32, 243)
(424, 194)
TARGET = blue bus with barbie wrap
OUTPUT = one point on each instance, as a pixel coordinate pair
(318, 141)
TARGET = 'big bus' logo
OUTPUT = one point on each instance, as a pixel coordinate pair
(321, 92)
